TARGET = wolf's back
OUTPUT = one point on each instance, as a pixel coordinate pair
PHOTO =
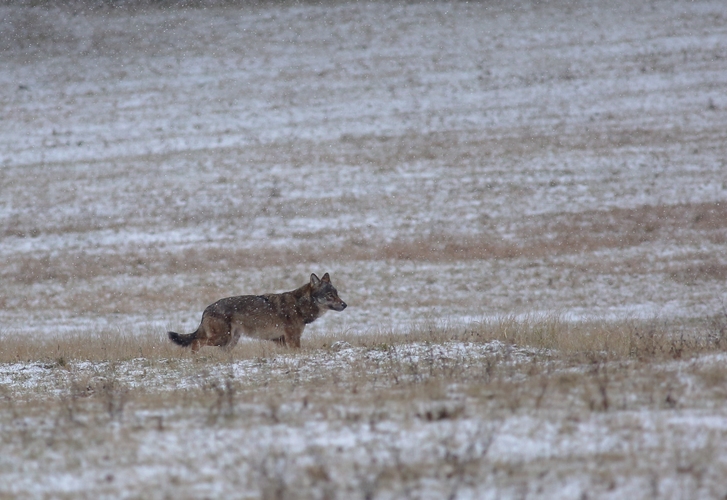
(185, 340)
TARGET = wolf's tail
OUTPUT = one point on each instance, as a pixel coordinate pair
(185, 340)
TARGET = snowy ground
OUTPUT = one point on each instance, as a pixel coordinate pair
(538, 157)
(448, 420)
(445, 162)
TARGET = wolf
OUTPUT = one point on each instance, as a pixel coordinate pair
(280, 317)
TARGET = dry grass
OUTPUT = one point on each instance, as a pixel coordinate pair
(646, 340)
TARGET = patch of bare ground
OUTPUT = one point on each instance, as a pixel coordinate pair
(573, 233)
(622, 227)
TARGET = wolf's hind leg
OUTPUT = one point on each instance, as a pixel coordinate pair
(235, 334)
(216, 331)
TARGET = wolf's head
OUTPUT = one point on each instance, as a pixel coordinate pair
(325, 294)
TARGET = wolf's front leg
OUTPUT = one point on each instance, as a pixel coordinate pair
(292, 336)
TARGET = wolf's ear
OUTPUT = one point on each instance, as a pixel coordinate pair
(326, 278)
(314, 281)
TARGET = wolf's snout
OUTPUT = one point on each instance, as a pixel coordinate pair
(342, 306)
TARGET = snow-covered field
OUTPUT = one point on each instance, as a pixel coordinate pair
(447, 163)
